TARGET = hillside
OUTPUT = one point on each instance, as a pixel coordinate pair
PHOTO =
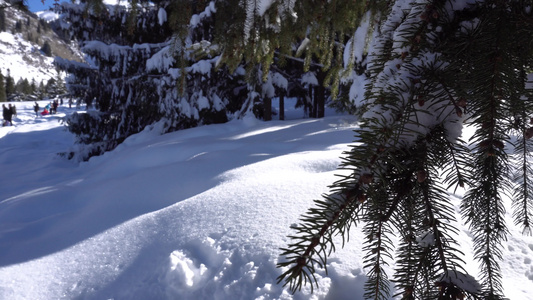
(20, 47)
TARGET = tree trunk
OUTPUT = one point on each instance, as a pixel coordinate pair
(312, 107)
(267, 109)
(282, 107)
(320, 95)
(320, 101)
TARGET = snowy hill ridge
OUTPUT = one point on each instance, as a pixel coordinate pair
(195, 214)
(21, 43)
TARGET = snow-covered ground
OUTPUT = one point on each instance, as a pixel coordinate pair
(196, 214)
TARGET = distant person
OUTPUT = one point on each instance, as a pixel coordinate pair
(4, 114)
(55, 104)
(13, 109)
(10, 114)
(36, 109)
(7, 114)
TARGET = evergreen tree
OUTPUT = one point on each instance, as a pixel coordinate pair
(33, 86)
(432, 67)
(46, 49)
(41, 91)
(196, 72)
(51, 86)
(2, 20)
(3, 96)
(144, 74)
(55, 86)
(60, 87)
(18, 26)
(23, 87)
(10, 84)
(43, 25)
(126, 95)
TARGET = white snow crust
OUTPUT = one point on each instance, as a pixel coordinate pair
(195, 214)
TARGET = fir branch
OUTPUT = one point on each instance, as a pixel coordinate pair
(454, 174)
(522, 105)
(523, 193)
(338, 211)
(377, 284)
(482, 206)
(315, 234)
(427, 214)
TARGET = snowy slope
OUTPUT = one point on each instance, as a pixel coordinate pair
(195, 214)
(24, 59)
(20, 51)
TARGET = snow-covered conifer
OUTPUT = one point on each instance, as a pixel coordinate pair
(433, 67)
(144, 68)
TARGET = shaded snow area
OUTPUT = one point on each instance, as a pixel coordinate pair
(195, 214)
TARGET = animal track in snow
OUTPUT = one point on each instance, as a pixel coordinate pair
(529, 274)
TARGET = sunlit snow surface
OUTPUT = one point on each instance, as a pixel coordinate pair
(196, 214)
